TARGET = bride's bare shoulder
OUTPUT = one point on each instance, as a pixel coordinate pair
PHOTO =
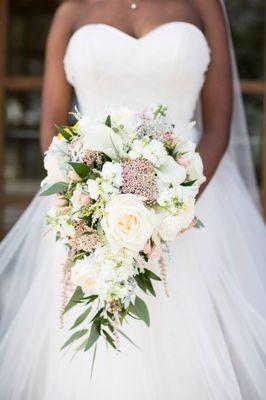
(209, 11)
(66, 16)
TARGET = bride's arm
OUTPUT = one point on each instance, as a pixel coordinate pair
(57, 93)
(217, 90)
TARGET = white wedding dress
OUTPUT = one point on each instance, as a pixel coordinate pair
(208, 340)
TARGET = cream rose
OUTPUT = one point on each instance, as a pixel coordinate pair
(128, 223)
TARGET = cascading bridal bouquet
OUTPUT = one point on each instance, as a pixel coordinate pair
(124, 185)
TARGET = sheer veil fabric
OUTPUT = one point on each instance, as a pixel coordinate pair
(208, 340)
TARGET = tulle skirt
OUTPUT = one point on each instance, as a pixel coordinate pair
(206, 341)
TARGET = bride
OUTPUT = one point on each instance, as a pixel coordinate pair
(208, 340)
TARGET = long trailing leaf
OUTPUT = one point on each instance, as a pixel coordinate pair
(128, 338)
(94, 336)
(55, 188)
(77, 335)
(93, 359)
(97, 314)
(109, 338)
(140, 310)
(76, 297)
(81, 318)
(152, 275)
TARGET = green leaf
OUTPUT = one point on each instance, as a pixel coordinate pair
(108, 121)
(76, 297)
(81, 318)
(152, 275)
(149, 285)
(109, 338)
(144, 282)
(140, 310)
(190, 183)
(141, 283)
(93, 359)
(81, 169)
(94, 336)
(128, 338)
(77, 335)
(199, 224)
(97, 314)
(55, 188)
(63, 132)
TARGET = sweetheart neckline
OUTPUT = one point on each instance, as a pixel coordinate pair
(143, 37)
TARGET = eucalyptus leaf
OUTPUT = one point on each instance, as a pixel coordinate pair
(77, 335)
(93, 359)
(128, 338)
(97, 314)
(81, 318)
(55, 188)
(76, 297)
(94, 336)
(140, 310)
(109, 338)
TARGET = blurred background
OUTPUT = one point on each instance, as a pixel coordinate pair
(23, 29)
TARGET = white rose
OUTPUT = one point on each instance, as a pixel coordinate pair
(56, 167)
(113, 171)
(83, 275)
(127, 222)
(172, 225)
(195, 169)
(101, 138)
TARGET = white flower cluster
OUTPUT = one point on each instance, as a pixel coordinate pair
(106, 275)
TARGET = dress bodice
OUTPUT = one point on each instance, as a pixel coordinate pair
(109, 67)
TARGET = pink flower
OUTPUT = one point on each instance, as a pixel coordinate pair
(147, 248)
(184, 161)
(60, 201)
(74, 176)
(85, 199)
(155, 255)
